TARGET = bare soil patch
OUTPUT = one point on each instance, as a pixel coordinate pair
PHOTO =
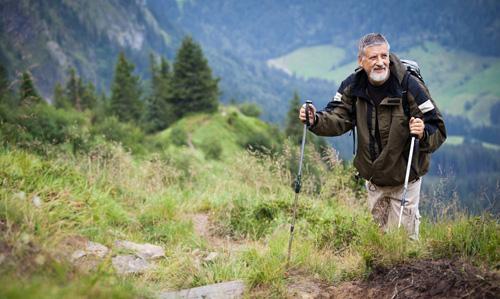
(422, 279)
(204, 228)
(300, 285)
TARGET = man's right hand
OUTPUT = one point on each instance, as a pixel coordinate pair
(312, 113)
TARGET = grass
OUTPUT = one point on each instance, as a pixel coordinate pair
(110, 194)
(312, 62)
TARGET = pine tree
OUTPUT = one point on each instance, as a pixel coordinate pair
(74, 90)
(165, 69)
(101, 109)
(159, 113)
(78, 94)
(88, 96)
(60, 99)
(6, 96)
(125, 92)
(4, 81)
(194, 88)
(294, 128)
(28, 95)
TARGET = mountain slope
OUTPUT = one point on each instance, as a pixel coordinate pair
(267, 29)
(49, 37)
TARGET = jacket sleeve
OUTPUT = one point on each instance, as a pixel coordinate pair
(336, 118)
(424, 107)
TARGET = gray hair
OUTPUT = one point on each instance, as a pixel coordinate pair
(371, 39)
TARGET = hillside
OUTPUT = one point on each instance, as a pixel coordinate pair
(217, 217)
(49, 37)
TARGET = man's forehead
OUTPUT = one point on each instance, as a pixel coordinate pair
(381, 48)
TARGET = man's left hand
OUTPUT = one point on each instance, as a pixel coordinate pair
(417, 127)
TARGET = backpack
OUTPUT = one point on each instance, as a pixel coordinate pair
(412, 68)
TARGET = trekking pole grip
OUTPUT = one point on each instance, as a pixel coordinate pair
(308, 107)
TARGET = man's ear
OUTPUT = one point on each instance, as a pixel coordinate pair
(360, 59)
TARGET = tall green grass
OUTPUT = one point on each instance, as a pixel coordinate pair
(107, 194)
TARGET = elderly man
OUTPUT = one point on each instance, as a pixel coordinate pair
(373, 100)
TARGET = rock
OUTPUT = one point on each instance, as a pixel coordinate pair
(77, 255)
(37, 202)
(130, 264)
(229, 290)
(211, 257)
(145, 251)
(40, 259)
(90, 249)
(20, 195)
(96, 249)
(25, 238)
(83, 254)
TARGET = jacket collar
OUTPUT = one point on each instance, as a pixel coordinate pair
(397, 70)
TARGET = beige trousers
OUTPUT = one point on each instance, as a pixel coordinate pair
(385, 204)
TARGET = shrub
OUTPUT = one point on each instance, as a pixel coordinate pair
(127, 134)
(335, 231)
(246, 218)
(257, 141)
(212, 149)
(178, 136)
(250, 109)
(42, 124)
(232, 118)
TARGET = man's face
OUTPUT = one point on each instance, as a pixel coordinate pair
(375, 62)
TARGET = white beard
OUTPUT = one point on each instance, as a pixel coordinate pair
(379, 77)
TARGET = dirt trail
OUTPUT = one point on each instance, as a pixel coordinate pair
(204, 228)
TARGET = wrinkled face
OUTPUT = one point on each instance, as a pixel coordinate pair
(375, 62)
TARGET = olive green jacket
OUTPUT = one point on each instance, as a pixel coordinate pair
(383, 132)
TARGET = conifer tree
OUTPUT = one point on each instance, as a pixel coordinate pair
(165, 69)
(125, 92)
(6, 96)
(80, 95)
(159, 114)
(294, 128)
(28, 95)
(88, 96)
(60, 99)
(194, 88)
(74, 90)
(4, 81)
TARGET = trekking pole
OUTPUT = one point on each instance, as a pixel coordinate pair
(407, 177)
(298, 183)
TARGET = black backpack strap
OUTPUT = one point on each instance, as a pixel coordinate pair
(353, 119)
(404, 84)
